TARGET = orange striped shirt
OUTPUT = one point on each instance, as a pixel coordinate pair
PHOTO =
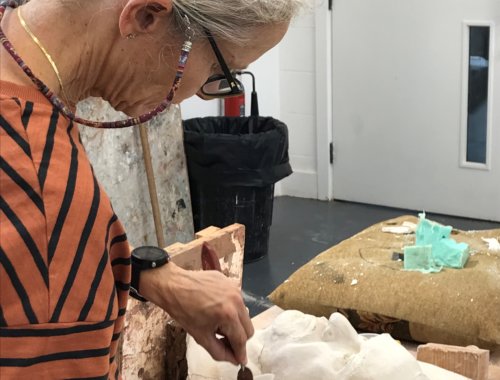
(64, 256)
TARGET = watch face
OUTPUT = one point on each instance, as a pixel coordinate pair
(149, 253)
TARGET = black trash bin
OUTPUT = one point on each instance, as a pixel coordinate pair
(233, 164)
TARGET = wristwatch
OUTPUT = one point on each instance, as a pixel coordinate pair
(144, 258)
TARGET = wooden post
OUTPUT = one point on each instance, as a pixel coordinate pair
(153, 194)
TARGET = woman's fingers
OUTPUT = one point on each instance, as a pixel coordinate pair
(234, 330)
(219, 349)
(237, 338)
(203, 302)
(246, 322)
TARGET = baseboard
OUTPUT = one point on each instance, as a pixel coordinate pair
(299, 184)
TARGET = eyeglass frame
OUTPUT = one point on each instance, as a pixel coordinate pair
(234, 84)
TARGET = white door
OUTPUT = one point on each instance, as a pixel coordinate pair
(416, 104)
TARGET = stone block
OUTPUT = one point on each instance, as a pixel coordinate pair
(471, 362)
(152, 345)
(117, 158)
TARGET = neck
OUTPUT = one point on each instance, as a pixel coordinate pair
(86, 50)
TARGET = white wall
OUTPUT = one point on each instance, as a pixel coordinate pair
(196, 107)
(285, 83)
(267, 79)
(297, 105)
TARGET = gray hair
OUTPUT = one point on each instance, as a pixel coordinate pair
(235, 20)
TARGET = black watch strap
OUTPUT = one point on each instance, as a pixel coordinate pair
(144, 258)
(134, 284)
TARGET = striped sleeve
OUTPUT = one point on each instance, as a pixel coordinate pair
(64, 256)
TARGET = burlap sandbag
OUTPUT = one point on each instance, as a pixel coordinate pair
(359, 278)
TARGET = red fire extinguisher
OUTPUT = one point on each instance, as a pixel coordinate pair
(235, 105)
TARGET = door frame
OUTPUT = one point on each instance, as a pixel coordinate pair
(324, 128)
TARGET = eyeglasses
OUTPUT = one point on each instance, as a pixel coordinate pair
(220, 85)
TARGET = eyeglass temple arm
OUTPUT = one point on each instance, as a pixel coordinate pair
(222, 63)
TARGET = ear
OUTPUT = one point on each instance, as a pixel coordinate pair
(143, 16)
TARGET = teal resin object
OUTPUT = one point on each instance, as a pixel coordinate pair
(434, 249)
(449, 253)
(420, 258)
(429, 232)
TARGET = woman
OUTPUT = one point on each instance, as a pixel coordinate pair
(65, 264)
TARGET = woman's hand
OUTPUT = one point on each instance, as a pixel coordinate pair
(205, 303)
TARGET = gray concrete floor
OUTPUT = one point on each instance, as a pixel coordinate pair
(303, 228)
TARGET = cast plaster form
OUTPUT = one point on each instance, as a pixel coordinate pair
(116, 156)
(493, 244)
(300, 346)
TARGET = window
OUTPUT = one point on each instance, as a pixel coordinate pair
(477, 103)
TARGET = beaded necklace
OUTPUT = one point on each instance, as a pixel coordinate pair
(57, 103)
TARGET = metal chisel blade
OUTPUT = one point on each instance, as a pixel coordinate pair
(244, 373)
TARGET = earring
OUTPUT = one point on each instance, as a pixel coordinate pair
(131, 36)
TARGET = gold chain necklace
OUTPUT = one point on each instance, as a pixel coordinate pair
(39, 44)
(67, 112)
